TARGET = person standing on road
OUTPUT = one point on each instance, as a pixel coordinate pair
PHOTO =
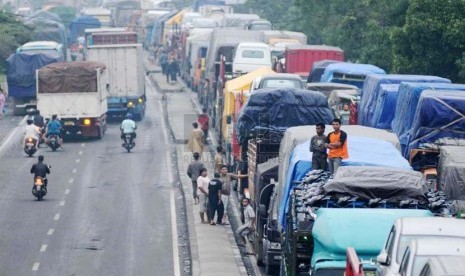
(2, 102)
(336, 142)
(214, 199)
(193, 171)
(195, 143)
(318, 149)
(202, 182)
(173, 70)
(204, 121)
(219, 159)
(249, 219)
(225, 178)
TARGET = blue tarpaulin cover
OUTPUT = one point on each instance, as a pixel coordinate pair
(363, 151)
(275, 110)
(370, 92)
(318, 68)
(21, 71)
(440, 114)
(407, 102)
(350, 68)
(81, 23)
(386, 106)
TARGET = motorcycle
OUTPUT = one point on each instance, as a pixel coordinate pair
(129, 143)
(39, 190)
(53, 142)
(30, 146)
(41, 131)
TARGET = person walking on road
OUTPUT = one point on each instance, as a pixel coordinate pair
(220, 159)
(2, 102)
(249, 219)
(195, 143)
(336, 142)
(173, 70)
(163, 62)
(318, 149)
(202, 182)
(214, 199)
(204, 121)
(193, 171)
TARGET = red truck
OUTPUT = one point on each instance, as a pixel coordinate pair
(298, 59)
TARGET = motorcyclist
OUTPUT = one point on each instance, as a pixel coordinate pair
(54, 127)
(41, 169)
(31, 131)
(128, 126)
(39, 122)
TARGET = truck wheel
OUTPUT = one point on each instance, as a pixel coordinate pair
(271, 270)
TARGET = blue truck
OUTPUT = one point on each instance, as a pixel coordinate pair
(21, 76)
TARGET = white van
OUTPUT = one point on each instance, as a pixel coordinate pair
(250, 56)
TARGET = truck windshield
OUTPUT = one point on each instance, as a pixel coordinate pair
(282, 84)
(253, 54)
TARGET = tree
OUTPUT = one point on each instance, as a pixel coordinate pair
(66, 14)
(432, 41)
(13, 34)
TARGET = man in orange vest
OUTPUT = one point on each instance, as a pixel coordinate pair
(336, 142)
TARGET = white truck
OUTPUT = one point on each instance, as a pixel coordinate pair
(250, 56)
(77, 93)
(126, 76)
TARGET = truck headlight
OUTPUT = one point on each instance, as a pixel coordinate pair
(86, 122)
(140, 100)
(130, 104)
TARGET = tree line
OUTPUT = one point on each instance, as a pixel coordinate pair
(400, 36)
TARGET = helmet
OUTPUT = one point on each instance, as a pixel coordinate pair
(29, 121)
(129, 116)
(41, 158)
(54, 116)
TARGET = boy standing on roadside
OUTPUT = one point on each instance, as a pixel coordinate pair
(317, 147)
(337, 145)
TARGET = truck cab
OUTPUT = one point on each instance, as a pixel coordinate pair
(42, 47)
(250, 56)
(408, 229)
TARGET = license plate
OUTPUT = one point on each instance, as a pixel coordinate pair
(29, 144)
(69, 123)
(128, 136)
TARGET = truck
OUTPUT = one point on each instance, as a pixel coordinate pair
(356, 200)
(250, 56)
(126, 76)
(21, 76)
(77, 93)
(299, 59)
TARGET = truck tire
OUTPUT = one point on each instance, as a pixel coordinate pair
(271, 270)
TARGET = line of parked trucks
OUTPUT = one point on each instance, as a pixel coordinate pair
(266, 89)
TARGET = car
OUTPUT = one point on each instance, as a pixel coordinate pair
(444, 266)
(406, 229)
(281, 80)
(421, 250)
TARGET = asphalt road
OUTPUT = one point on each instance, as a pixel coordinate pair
(107, 212)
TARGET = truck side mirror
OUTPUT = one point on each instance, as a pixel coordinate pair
(383, 258)
(262, 210)
(228, 119)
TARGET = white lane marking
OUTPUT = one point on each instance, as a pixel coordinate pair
(50, 231)
(12, 134)
(62, 203)
(74, 170)
(80, 152)
(71, 180)
(78, 160)
(43, 248)
(67, 191)
(83, 144)
(57, 217)
(35, 267)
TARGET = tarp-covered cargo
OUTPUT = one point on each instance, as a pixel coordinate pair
(407, 102)
(238, 20)
(372, 183)
(277, 34)
(451, 170)
(47, 30)
(275, 110)
(21, 71)
(68, 77)
(386, 106)
(370, 92)
(318, 68)
(440, 114)
(363, 151)
(349, 73)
